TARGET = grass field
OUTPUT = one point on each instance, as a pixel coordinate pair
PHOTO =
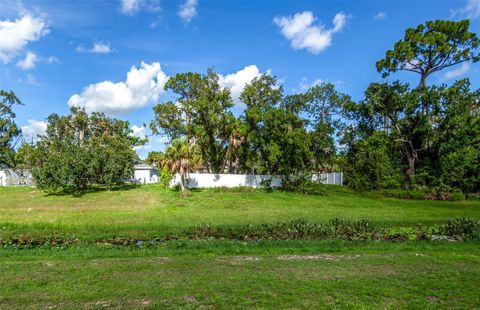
(152, 210)
(230, 274)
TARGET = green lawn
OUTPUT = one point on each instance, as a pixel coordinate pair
(223, 276)
(152, 209)
(229, 274)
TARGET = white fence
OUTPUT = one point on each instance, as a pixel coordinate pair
(208, 180)
(9, 177)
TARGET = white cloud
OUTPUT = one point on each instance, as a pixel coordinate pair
(33, 129)
(139, 131)
(188, 10)
(53, 60)
(28, 62)
(97, 48)
(301, 32)
(236, 81)
(457, 72)
(471, 10)
(129, 7)
(304, 84)
(15, 35)
(380, 16)
(31, 80)
(142, 86)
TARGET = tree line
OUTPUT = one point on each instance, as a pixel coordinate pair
(396, 136)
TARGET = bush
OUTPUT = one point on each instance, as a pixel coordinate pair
(303, 185)
(404, 194)
(166, 177)
(473, 196)
(297, 229)
(436, 193)
(457, 195)
(461, 229)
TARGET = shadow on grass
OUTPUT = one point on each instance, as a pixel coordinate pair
(93, 189)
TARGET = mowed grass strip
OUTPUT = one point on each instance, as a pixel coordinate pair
(384, 276)
(152, 206)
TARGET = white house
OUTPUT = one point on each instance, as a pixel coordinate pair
(146, 174)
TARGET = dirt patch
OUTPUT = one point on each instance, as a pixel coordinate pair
(318, 257)
(239, 258)
(190, 299)
(49, 263)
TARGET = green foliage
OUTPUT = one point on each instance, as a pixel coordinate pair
(459, 137)
(431, 47)
(430, 133)
(181, 157)
(166, 177)
(323, 108)
(200, 113)
(461, 228)
(9, 132)
(303, 184)
(296, 229)
(370, 164)
(278, 142)
(155, 158)
(398, 136)
(79, 150)
(425, 193)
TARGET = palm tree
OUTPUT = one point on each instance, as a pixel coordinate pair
(182, 156)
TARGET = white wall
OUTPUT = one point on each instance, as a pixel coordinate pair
(3, 178)
(9, 177)
(208, 180)
(146, 176)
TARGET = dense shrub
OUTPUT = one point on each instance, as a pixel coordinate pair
(80, 150)
(473, 196)
(297, 229)
(462, 229)
(303, 184)
(166, 177)
(435, 193)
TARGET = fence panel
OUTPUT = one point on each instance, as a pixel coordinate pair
(209, 180)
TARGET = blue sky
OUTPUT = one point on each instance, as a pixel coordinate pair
(56, 53)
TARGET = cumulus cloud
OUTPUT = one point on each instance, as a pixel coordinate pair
(142, 86)
(380, 16)
(457, 72)
(303, 34)
(236, 81)
(139, 131)
(33, 129)
(471, 10)
(28, 62)
(188, 10)
(15, 35)
(129, 7)
(97, 48)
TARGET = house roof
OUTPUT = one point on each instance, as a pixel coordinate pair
(144, 167)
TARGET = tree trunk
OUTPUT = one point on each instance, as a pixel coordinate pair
(423, 87)
(182, 178)
(411, 158)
